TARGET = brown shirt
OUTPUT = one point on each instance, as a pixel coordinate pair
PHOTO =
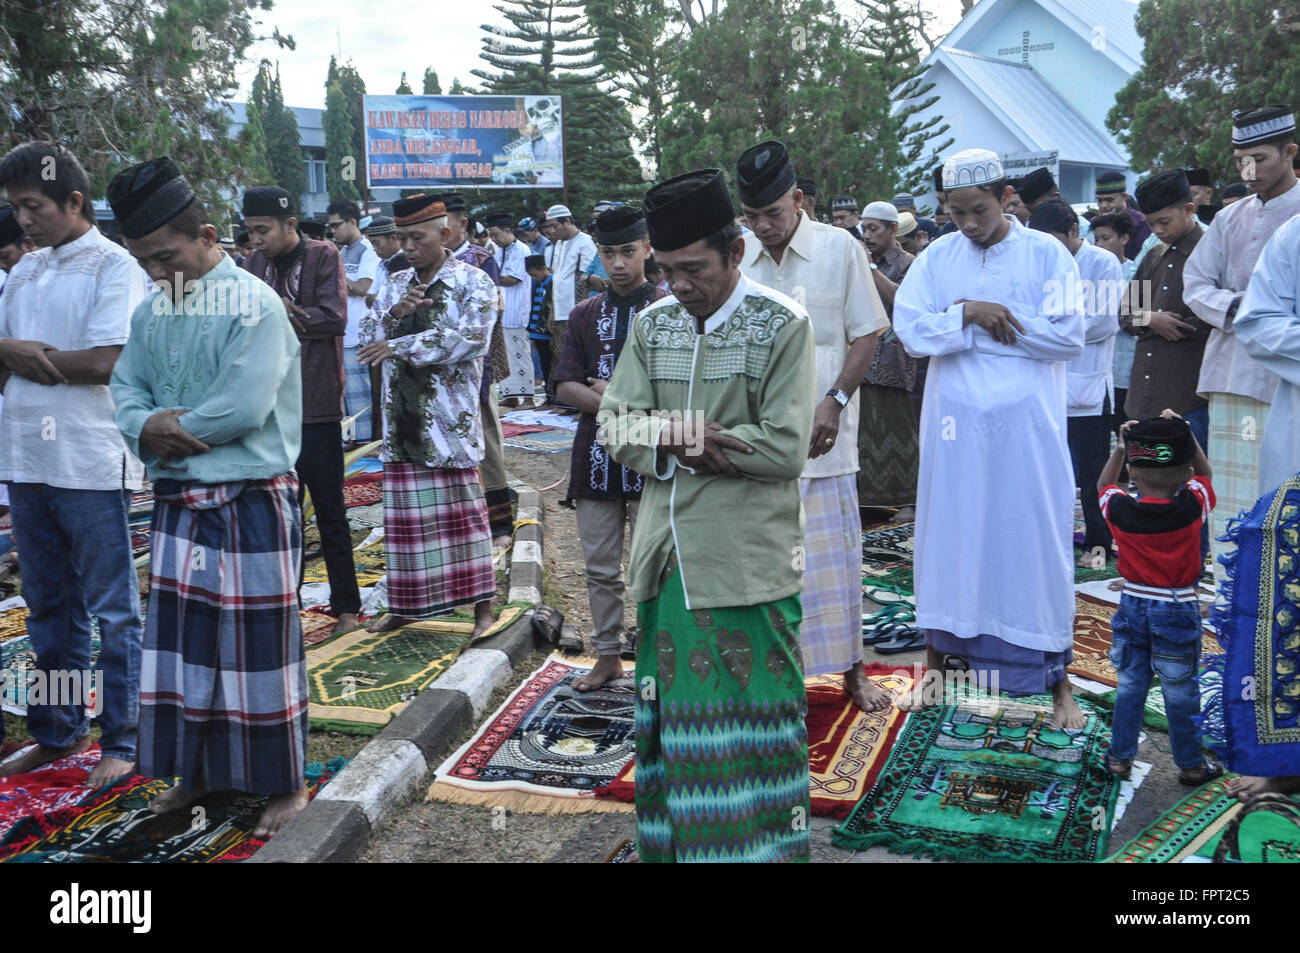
(1164, 372)
(314, 281)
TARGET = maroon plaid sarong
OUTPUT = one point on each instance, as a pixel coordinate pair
(437, 543)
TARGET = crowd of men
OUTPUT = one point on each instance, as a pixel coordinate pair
(746, 384)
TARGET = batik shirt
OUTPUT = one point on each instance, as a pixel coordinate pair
(486, 262)
(431, 388)
(597, 332)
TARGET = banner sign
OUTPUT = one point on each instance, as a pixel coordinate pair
(1018, 164)
(489, 142)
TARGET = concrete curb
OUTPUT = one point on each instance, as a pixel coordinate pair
(337, 825)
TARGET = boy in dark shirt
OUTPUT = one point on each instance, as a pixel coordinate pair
(538, 328)
(1158, 624)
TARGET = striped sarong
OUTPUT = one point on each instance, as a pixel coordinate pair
(356, 395)
(721, 744)
(519, 355)
(830, 635)
(223, 680)
(437, 543)
(1236, 429)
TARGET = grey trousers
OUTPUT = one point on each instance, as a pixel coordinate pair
(600, 527)
(492, 470)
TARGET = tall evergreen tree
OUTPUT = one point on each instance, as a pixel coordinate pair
(888, 39)
(283, 146)
(343, 166)
(403, 88)
(1201, 60)
(456, 88)
(549, 49)
(431, 85)
(746, 74)
(251, 146)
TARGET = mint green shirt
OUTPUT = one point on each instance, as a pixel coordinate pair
(738, 540)
(229, 357)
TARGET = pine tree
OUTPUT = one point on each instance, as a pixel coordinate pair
(342, 165)
(251, 146)
(456, 88)
(889, 42)
(549, 49)
(1202, 60)
(404, 88)
(283, 146)
(431, 85)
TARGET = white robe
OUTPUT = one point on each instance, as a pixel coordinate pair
(995, 498)
(1268, 326)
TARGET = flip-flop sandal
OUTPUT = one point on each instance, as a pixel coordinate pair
(1198, 776)
(570, 640)
(885, 631)
(887, 596)
(894, 613)
(908, 639)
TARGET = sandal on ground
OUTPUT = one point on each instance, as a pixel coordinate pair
(1121, 768)
(886, 630)
(1195, 777)
(570, 640)
(894, 613)
(907, 639)
(887, 596)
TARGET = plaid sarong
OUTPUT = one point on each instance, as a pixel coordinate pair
(831, 633)
(356, 394)
(1236, 429)
(223, 680)
(437, 543)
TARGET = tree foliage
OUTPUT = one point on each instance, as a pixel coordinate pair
(121, 81)
(403, 88)
(782, 69)
(431, 85)
(1202, 60)
(283, 147)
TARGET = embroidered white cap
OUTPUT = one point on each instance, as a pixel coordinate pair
(971, 167)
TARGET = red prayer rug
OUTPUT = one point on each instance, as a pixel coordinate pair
(49, 788)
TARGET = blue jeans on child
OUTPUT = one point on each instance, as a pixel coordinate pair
(75, 547)
(1148, 636)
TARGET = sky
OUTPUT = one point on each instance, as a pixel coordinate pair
(381, 46)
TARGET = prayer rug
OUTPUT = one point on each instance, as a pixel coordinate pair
(368, 560)
(543, 441)
(989, 779)
(49, 788)
(317, 626)
(509, 429)
(13, 618)
(363, 489)
(847, 747)
(357, 682)
(1190, 831)
(547, 748)
(114, 825)
(1092, 640)
(18, 661)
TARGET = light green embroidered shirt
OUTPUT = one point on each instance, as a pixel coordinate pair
(228, 356)
(738, 540)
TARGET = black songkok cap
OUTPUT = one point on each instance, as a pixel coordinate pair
(1111, 183)
(764, 173)
(418, 208)
(10, 231)
(1015, 182)
(535, 261)
(807, 187)
(1035, 185)
(688, 208)
(1206, 213)
(499, 220)
(1159, 442)
(454, 202)
(844, 203)
(624, 223)
(937, 175)
(1199, 177)
(1238, 190)
(314, 230)
(268, 200)
(1260, 125)
(147, 196)
(1163, 190)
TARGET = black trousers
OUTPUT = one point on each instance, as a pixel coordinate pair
(1089, 439)
(320, 472)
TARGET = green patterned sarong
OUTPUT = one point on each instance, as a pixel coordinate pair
(721, 744)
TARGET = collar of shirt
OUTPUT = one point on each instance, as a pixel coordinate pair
(641, 292)
(800, 243)
(59, 253)
(1185, 244)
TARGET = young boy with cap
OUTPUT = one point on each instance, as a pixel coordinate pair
(539, 327)
(1157, 627)
(1112, 198)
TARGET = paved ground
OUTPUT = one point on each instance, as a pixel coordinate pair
(450, 832)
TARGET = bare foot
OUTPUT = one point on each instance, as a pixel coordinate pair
(175, 798)
(607, 669)
(865, 693)
(483, 618)
(905, 515)
(924, 694)
(387, 623)
(1066, 714)
(347, 622)
(39, 756)
(107, 771)
(278, 812)
(1245, 788)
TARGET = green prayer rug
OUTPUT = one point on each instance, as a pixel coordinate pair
(989, 779)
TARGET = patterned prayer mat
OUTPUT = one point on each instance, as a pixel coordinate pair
(543, 441)
(17, 662)
(1190, 831)
(369, 563)
(847, 747)
(317, 626)
(49, 788)
(547, 748)
(114, 825)
(363, 489)
(13, 618)
(988, 779)
(358, 681)
(1092, 640)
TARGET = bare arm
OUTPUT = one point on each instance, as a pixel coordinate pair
(92, 366)
(579, 395)
(886, 289)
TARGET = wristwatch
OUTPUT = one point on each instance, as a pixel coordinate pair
(874, 266)
(839, 397)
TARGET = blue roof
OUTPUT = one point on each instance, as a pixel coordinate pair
(1033, 110)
